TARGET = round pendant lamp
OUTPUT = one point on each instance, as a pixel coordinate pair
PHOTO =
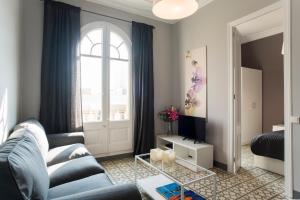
(174, 9)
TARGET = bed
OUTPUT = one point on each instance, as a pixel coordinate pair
(268, 150)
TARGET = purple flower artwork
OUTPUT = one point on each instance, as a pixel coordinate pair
(195, 100)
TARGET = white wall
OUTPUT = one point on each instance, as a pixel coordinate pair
(33, 35)
(10, 61)
(32, 58)
(209, 27)
(295, 73)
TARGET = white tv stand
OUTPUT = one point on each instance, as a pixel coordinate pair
(197, 153)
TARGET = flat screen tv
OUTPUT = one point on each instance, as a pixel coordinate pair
(191, 127)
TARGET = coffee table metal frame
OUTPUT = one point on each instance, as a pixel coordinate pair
(211, 174)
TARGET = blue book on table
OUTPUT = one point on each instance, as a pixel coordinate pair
(172, 192)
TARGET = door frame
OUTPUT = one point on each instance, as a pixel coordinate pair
(288, 169)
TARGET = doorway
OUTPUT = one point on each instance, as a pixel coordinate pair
(235, 39)
(261, 84)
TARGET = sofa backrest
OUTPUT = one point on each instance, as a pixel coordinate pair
(37, 130)
(23, 173)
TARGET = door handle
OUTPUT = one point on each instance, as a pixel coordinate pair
(295, 120)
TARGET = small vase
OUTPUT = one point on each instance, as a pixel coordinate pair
(170, 128)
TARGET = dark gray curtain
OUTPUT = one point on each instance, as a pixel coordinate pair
(60, 109)
(142, 52)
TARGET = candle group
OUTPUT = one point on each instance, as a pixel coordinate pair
(167, 156)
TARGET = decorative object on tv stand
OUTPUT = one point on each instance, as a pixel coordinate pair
(156, 154)
(169, 115)
(195, 82)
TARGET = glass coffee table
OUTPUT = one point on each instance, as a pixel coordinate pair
(164, 174)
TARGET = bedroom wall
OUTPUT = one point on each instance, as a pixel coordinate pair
(265, 54)
(209, 27)
(32, 67)
(10, 62)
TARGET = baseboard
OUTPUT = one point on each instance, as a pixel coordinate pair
(296, 195)
(120, 156)
(220, 165)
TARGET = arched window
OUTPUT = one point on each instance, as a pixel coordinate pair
(105, 73)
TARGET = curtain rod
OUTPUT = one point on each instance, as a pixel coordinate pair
(116, 18)
(124, 20)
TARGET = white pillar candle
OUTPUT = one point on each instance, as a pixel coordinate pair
(156, 154)
(172, 156)
(159, 154)
(166, 157)
(169, 156)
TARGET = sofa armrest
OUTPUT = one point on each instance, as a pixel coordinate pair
(115, 192)
(62, 139)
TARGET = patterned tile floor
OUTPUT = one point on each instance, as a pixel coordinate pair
(250, 183)
(247, 157)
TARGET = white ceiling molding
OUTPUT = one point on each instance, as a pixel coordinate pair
(140, 7)
(263, 34)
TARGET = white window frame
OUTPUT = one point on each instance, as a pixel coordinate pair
(107, 27)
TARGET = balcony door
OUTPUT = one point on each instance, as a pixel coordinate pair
(106, 88)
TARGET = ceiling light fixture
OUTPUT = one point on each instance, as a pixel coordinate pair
(174, 9)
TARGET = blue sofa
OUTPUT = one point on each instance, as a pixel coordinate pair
(34, 166)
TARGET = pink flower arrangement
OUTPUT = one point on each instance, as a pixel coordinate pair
(169, 114)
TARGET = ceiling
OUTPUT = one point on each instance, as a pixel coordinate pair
(139, 7)
(271, 22)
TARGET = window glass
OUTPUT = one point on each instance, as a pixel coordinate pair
(118, 47)
(97, 89)
(115, 39)
(114, 52)
(96, 36)
(85, 46)
(91, 44)
(119, 90)
(123, 49)
(91, 88)
(96, 50)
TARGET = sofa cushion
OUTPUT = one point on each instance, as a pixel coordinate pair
(73, 170)
(62, 139)
(65, 153)
(37, 130)
(81, 185)
(22, 169)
